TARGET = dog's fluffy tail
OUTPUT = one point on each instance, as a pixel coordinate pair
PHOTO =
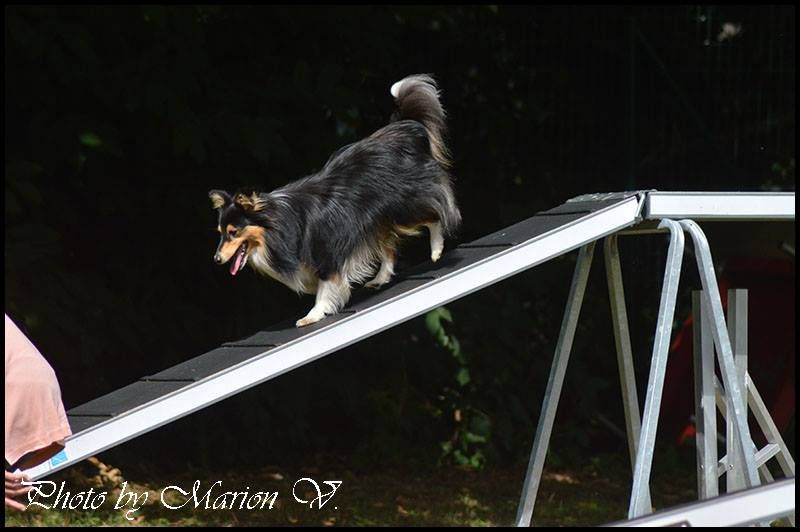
(417, 99)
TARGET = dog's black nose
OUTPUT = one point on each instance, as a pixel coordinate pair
(218, 258)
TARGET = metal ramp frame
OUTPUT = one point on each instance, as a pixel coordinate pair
(710, 396)
(236, 366)
(743, 508)
(741, 462)
(158, 399)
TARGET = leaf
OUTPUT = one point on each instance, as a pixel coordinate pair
(471, 437)
(455, 349)
(462, 376)
(434, 318)
(476, 460)
(480, 424)
(90, 140)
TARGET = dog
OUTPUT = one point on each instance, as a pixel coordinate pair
(331, 230)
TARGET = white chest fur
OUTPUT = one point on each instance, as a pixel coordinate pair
(303, 280)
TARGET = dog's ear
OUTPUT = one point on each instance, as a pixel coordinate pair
(219, 198)
(249, 203)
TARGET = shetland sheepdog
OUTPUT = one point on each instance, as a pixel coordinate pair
(341, 226)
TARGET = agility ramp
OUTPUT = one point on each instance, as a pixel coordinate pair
(736, 509)
(158, 399)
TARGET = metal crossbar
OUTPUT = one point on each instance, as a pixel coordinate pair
(731, 465)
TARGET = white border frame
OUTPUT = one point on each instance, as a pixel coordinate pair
(729, 206)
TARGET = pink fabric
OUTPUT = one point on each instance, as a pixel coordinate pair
(35, 416)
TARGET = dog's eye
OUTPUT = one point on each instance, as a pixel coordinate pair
(232, 233)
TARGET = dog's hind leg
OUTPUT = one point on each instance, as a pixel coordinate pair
(437, 240)
(386, 271)
(332, 294)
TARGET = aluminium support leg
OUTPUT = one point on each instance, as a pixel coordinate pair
(776, 447)
(735, 393)
(704, 400)
(622, 340)
(737, 332)
(554, 385)
(658, 365)
(773, 435)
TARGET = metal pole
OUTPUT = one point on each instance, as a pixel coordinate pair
(768, 427)
(737, 405)
(655, 386)
(773, 435)
(704, 400)
(622, 339)
(554, 384)
(737, 330)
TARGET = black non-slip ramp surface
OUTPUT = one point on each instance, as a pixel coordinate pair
(237, 351)
(199, 368)
(118, 402)
(234, 352)
(285, 332)
(364, 298)
(526, 229)
(80, 423)
(452, 261)
(238, 364)
(128, 397)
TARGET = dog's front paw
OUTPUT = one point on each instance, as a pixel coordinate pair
(308, 320)
(375, 284)
(436, 254)
(311, 317)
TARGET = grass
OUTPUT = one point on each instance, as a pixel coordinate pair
(449, 496)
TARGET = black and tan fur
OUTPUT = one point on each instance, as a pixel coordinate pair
(328, 231)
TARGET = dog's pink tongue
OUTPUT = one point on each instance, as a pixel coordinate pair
(237, 263)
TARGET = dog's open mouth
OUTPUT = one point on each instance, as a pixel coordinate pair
(239, 260)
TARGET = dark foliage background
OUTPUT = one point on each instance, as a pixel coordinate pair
(120, 119)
